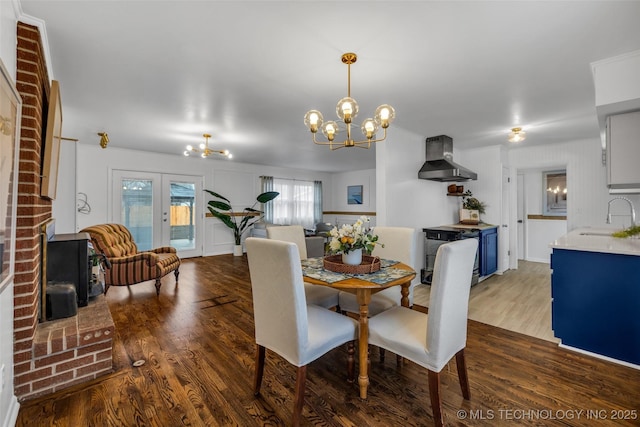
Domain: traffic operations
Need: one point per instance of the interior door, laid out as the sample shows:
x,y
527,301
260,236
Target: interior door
x,y
521,213
503,245
160,210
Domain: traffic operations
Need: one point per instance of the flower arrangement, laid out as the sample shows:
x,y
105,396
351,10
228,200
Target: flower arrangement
x,y
353,236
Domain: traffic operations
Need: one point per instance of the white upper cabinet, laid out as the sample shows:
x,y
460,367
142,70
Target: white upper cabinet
x,y
623,152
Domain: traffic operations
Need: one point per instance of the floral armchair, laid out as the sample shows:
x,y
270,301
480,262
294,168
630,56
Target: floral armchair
x,y
128,266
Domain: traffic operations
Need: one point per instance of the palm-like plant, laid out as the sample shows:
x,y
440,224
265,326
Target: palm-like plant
x,y
221,209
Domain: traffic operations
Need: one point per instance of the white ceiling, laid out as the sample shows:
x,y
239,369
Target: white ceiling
x,y
156,75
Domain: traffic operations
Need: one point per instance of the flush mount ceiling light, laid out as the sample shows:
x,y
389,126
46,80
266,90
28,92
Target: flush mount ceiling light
x,y
347,110
517,135
204,151
104,139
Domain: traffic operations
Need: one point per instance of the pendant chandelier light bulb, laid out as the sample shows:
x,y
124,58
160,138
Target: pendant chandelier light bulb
x,y
347,110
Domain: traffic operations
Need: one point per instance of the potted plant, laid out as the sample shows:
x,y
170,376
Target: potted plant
x,y
221,209
471,208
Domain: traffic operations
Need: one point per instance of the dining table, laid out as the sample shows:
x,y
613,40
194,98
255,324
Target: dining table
x,y
391,273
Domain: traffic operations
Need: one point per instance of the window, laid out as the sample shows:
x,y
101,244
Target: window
x,y
555,192
296,204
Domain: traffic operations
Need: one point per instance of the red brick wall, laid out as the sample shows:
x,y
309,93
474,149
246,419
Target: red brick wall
x,y
47,356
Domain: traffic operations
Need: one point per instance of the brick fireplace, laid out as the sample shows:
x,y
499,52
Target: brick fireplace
x,y
52,355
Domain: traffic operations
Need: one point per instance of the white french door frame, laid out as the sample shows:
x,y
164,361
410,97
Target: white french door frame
x,y
161,206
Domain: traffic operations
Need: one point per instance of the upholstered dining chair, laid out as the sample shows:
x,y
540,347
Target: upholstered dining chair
x,y
284,322
400,245
316,294
432,340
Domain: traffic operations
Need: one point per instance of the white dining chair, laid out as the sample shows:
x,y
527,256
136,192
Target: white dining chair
x,y
284,322
432,340
400,244
316,294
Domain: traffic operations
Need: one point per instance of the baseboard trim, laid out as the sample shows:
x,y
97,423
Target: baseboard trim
x,y
599,356
12,413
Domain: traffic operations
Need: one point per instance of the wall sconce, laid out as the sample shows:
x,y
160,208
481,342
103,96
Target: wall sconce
x,y
104,139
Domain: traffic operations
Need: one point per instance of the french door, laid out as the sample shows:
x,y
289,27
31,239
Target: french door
x,y
160,210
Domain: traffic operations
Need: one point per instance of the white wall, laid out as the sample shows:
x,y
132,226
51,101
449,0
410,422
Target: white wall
x,y
338,196
9,12
588,195
402,199
486,162
405,200
239,182
538,232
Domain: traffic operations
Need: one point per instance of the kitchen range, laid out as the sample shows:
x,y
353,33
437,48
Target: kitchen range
x,y
486,258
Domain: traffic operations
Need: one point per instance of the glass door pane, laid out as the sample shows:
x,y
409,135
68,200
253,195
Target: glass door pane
x,y
136,201
182,216
137,211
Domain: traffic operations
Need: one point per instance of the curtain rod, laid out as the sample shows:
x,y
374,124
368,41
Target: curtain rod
x,y
290,179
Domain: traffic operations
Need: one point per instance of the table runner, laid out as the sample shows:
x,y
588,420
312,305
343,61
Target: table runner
x,y
314,268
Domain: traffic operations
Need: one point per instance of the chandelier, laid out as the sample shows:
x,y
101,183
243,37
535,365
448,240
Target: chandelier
x,y
347,110
517,135
204,149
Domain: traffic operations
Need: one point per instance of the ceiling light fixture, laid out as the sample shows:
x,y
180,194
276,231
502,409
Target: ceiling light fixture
x,y
104,139
517,135
204,149
347,110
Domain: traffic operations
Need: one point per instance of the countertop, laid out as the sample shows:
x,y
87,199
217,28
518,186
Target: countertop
x,y
481,226
597,240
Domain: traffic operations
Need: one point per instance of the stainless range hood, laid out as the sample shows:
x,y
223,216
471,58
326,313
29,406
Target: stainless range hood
x,y
439,165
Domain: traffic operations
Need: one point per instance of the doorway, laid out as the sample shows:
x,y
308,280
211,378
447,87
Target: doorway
x,y
160,210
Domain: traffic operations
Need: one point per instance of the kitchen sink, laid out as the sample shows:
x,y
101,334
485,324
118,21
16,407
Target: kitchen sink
x,y
595,233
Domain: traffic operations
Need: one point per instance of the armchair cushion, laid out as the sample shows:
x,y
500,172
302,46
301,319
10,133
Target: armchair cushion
x,y
128,266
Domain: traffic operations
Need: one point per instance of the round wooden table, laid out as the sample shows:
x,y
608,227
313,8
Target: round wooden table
x,y
363,289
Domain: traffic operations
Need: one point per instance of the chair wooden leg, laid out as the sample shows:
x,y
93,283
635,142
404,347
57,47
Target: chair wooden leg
x,y
436,400
351,362
158,286
257,381
301,377
462,374
176,273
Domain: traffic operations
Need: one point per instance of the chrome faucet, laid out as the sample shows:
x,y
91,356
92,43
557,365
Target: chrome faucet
x,y
633,211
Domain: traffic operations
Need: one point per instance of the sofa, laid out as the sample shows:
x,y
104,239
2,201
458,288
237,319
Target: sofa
x,y
314,244
126,265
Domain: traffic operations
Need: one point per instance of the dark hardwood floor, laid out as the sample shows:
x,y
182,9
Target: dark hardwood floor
x,y
198,343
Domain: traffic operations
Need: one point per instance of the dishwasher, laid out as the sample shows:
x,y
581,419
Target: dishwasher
x,y
436,236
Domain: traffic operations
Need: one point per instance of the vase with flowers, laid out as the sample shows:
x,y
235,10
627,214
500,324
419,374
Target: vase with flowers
x,y
351,239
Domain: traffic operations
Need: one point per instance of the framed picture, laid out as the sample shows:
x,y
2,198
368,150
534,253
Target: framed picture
x,y
354,195
53,135
10,109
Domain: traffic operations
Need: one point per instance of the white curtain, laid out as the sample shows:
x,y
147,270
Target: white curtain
x,y
296,203
267,208
317,202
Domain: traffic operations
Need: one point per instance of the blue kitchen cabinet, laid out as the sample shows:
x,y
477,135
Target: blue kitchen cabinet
x,y
488,251
596,302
